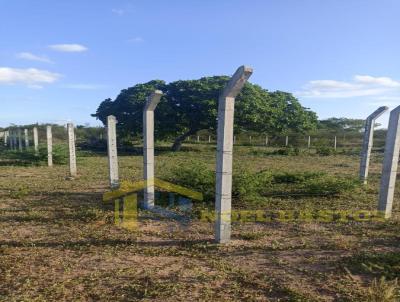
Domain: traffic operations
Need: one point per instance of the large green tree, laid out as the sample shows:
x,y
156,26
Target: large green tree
x,y
191,105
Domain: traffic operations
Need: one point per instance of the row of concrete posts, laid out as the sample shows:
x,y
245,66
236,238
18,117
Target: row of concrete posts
x,y
223,197
390,160
13,139
225,140
267,140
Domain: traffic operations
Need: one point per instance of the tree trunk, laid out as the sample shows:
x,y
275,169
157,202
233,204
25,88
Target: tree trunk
x,y
180,139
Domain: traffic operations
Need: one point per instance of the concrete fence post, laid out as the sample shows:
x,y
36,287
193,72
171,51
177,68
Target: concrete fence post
x,y
198,138
112,151
223,192
72,151
209,139
335,143
6,135
309,142
49,136
266,140
13,140
148,147
19,139
368,142
36,139
26,135
287,141
390,163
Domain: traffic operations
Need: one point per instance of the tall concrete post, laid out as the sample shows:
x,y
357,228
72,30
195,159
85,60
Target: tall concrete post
x,y
26,135
13,140
6,135
36,139
209,139
287,141
368,142
112,151
223,192
72,151
335,143
19,139
198,138
309,142
266,140
390,163
49,136
148,147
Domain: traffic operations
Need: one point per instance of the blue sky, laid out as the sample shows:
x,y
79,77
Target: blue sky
x,y
60,59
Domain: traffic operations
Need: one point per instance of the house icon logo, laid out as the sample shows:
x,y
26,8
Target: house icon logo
x,y
125,200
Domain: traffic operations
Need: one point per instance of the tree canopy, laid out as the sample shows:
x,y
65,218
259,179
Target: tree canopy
x,y
342,124
189,106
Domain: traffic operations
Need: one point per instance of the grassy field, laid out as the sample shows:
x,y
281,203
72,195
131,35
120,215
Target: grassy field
x,y
58,240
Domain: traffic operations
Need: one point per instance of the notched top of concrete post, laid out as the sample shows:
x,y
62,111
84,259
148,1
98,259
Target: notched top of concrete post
x,y
111,118
237,82
153,100
395,110
377,113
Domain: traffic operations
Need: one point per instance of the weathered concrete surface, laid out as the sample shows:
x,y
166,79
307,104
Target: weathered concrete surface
x,y
36,139
390,163
223,196
6,136
49,136
148,147
368,142
112,151
19,131
13,141
72,151
26,136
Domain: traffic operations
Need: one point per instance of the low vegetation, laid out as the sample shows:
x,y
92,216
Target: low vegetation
x,y
59,241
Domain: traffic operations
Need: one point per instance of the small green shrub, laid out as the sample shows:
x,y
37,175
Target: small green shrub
x,y
329,185
31,157
250,186
295,177
325,151
245,183
289,151
195,175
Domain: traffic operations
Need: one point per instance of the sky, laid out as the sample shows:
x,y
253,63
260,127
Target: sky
x,y
60,59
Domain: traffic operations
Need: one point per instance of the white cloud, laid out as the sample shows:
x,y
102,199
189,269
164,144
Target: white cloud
x,y
362,85
31,77
31,57
381,81
85,86
136,40
118,11
34,86
68,47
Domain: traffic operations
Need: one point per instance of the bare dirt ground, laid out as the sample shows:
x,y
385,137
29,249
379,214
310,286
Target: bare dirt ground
x,y
58,241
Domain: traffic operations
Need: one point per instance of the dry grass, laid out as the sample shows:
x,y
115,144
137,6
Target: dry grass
x,y
58,241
